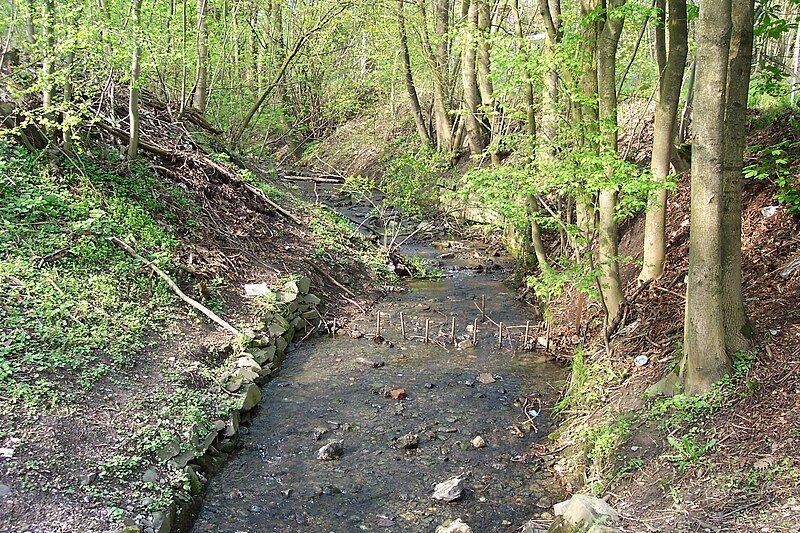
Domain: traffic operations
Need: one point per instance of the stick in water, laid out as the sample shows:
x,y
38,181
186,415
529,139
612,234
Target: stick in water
x,y
475,332
427,326
403,326
453,329
194,303
500,334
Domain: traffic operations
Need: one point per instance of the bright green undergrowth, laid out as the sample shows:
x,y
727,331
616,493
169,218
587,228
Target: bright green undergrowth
x,y
74,306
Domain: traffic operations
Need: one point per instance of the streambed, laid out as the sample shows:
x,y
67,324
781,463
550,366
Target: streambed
x,y
340,389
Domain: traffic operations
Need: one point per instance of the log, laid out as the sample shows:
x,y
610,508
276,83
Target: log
x,y
192,302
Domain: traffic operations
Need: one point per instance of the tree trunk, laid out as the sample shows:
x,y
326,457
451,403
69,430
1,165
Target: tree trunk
x,y
438,66
610,282
201,89
48,61
472,97
671,68
416,108
484,60
30,29
133,102
737,328
706,360
796,67
686,115
551,14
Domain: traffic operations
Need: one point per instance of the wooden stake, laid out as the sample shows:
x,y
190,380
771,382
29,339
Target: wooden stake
x,y
527,329
547,338
500,334
475,332
378,325
403,326
427,326
453,329
483,306
333,329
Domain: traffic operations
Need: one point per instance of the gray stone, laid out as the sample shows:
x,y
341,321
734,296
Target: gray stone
x,y
331,451
151,476
183,459
312,299
232,426
5,490
304,284
587,513
251,397
168,451
408,441
449,491
88,479
276,329
163,521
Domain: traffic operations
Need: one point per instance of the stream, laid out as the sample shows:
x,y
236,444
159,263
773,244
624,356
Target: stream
x,y
341,389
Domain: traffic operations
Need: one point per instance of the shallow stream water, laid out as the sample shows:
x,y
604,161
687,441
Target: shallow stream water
x,y
329,389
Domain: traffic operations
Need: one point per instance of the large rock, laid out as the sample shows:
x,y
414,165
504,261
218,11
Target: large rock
x,y
449,491
456,526
584,513
251,397
331,451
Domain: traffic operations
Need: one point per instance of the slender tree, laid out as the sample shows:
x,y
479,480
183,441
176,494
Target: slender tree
x,y
610,29
671,67
416,108
737,327
133,101
472,97
201,83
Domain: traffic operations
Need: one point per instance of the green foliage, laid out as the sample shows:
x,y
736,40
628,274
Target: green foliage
x,y
778,164
76,306
410,182
549,284
600,442
336,239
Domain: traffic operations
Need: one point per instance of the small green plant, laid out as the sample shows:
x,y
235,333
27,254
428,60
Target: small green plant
x,y
600,442
688,450
588,384
421,270
777,164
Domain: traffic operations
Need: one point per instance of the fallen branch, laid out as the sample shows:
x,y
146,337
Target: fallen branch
x,y
194,303
315,179
623,310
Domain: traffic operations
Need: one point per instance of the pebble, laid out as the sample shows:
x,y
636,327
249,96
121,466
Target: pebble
x,y
478,442
331,451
